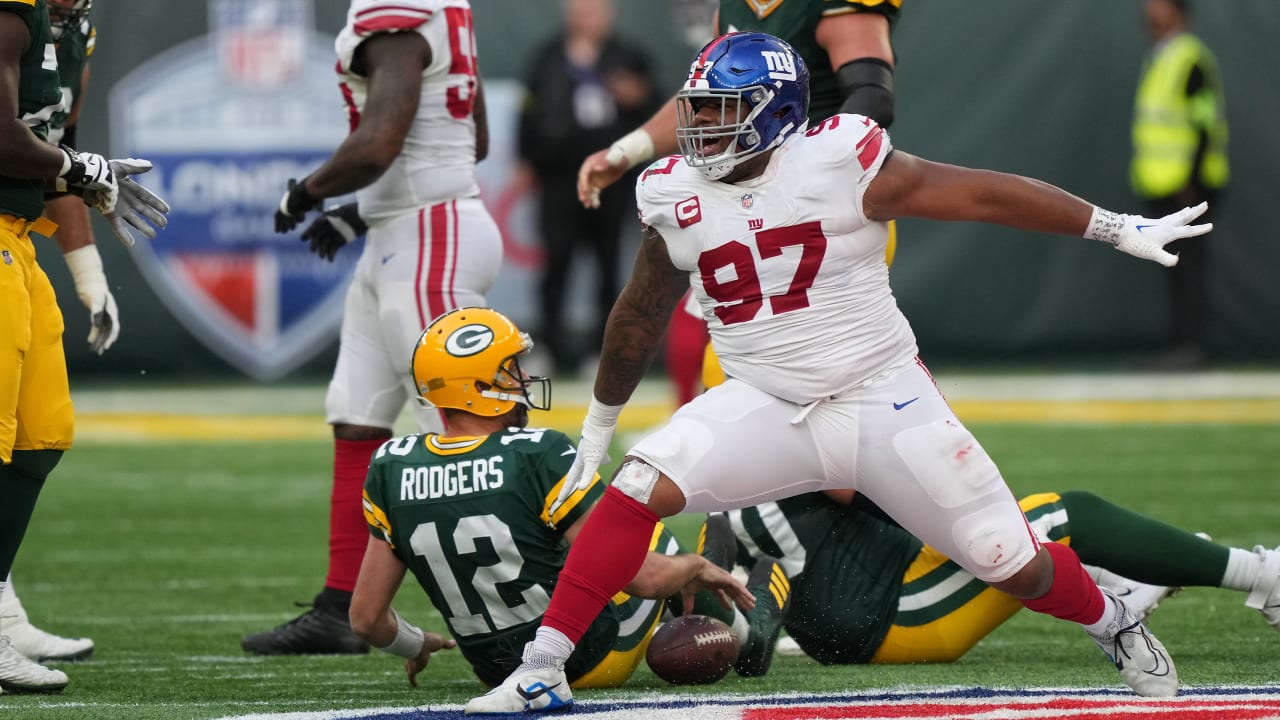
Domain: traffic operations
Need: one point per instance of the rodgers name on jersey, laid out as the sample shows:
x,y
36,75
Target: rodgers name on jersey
x,y
780,263
463,477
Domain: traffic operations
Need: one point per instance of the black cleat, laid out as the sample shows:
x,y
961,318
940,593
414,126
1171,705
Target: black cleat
x,y
769,583
717,542
322,630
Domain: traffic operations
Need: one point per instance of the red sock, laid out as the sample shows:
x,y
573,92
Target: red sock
x,y
348,532
686,343
605,556
1074,595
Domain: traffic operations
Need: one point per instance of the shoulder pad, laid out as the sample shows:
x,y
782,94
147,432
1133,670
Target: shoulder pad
x,y
375,16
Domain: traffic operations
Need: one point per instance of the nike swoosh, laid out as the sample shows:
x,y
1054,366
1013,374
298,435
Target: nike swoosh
x,y
899,406
531,696
386,258
1139,228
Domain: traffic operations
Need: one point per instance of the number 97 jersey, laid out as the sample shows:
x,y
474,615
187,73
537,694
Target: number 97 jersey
x,y
787,270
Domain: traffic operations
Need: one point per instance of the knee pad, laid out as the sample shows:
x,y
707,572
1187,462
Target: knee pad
x,y
867,87
996,549
636,480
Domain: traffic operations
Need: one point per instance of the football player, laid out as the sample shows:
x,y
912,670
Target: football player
x,y
407,70
470,514
36,415
826,391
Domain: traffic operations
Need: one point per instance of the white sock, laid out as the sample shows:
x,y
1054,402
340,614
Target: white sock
x,y
550,641
740,628
1109,613
1242,570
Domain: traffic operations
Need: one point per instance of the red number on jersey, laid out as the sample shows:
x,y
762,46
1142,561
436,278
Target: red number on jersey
x,y
655,169
460,98
828,124
740,299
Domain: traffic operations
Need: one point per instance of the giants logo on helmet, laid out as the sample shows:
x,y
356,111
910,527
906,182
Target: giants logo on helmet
x,y
782,66
688,211
469,340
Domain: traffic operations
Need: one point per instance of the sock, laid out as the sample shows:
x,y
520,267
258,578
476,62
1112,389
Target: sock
x,y
1109,612
686,343
1074,595
21,480
605,556
1138,547
1242,570
348,533
550,648
11,610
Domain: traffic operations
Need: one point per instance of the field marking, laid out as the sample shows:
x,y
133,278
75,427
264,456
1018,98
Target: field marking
x,y
151,427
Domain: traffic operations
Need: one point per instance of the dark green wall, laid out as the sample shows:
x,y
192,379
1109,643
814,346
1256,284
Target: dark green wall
x,y
1040,87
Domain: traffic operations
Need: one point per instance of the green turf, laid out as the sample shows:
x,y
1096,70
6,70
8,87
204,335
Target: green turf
x,y
167,554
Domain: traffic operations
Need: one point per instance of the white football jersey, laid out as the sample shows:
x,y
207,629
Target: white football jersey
x,y
439,156
787,271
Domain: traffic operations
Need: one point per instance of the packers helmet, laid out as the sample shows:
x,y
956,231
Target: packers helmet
x,y
468,359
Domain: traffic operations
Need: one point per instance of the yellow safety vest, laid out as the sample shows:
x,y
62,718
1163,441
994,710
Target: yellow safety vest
x,y
1167,124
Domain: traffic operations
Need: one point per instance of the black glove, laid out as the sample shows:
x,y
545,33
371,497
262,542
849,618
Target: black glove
x,y
294,206
337,227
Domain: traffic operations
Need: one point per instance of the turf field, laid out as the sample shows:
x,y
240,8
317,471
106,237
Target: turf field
x,y
166,551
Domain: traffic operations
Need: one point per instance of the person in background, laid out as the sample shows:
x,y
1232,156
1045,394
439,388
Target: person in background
x,y
407,69
1180,159
37,419
583,88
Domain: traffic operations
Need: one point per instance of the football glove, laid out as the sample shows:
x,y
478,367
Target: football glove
x,y
593,450
136,207
294,205
1145,237
85,265
89,176
336,227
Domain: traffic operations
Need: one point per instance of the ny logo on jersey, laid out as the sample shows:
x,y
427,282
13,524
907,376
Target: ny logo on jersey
x,y
754,224
781,65
688,212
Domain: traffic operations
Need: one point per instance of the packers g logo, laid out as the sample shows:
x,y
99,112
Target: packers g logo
x,y
469,340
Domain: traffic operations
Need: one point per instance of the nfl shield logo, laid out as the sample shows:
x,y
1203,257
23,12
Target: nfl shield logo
x,y
8,259
747,201
223,153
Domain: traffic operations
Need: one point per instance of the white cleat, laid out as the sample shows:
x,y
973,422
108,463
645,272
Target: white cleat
x,y
1141,598
538,685
1141,659
43,646
1265,595
788,647
19,674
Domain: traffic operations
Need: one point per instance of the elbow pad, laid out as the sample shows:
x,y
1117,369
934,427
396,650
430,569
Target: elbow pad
x,y
867,86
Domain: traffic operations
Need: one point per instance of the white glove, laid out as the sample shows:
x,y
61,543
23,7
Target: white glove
x,y
1144,237
136,206
91,285
89,176
593,450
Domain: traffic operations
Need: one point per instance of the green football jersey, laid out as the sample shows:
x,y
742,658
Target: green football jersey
x,y
39,96
796,21
845,566
470,518
74,50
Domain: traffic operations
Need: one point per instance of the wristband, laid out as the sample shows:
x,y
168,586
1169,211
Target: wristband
x,y
635,147
85,264
601,415
409,639
1105,226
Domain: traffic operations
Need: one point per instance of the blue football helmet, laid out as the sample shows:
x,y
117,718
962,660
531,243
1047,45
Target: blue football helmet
x,y
742,71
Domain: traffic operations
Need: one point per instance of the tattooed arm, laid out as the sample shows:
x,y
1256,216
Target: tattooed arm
x,y
393,62
638,320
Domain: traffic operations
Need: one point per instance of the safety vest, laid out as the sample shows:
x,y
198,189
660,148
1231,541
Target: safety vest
x,y
1167,124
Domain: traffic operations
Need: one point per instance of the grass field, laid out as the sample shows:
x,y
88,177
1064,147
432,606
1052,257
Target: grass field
x,y
166,552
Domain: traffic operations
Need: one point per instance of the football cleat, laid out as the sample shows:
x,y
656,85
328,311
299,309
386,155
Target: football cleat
x,y
717,542
538,685
323,630
772,590
35,643
1140,597
788,647
1265,595
1141,659
20,674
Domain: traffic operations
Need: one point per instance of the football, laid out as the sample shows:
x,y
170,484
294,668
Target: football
x,y
692,650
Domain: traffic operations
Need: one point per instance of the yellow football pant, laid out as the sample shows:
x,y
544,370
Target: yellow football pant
x,y
35,400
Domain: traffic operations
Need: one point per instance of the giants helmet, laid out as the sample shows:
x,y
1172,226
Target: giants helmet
x,y
467,359
66,16
753,69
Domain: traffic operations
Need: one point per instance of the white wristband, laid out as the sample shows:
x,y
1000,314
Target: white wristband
x,y
1105,226
409,639
85,265
602,415
635,147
